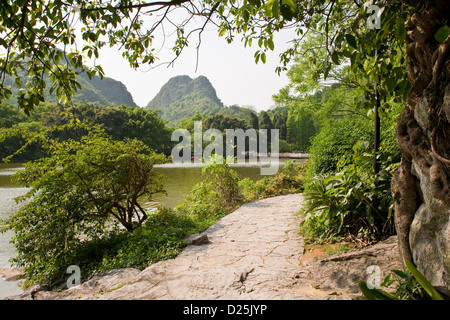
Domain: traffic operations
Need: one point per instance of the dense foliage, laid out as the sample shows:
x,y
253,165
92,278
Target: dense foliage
x,y
85,189
290,179
351,202
120,123
345,198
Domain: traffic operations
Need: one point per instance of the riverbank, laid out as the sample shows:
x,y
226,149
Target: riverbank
x,y
254,252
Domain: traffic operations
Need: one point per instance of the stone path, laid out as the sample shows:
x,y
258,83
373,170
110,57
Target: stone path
x,y
252,253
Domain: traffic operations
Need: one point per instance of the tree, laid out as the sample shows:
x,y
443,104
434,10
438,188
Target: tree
x,y
253,120
279,117
120,123
264,121
78,194
378,54
421,186
222,122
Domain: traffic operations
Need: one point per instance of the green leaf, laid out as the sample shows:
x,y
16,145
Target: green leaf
x,y
401,274
268,8
335,58
18,82
351,40
270,44
286,12
442,34
246,15
290,3
276,9
427,286
391,83
263,57
257,55
374,294
400,30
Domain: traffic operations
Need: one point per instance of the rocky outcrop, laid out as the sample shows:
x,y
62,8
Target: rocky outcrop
x,y
11,274
429,236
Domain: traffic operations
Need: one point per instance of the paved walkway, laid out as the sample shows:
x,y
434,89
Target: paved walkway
x,y
253,253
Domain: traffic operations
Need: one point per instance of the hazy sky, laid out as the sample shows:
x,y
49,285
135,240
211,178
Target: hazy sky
x,y
230,68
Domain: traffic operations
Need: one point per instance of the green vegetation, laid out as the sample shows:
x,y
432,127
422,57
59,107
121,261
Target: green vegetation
x,y
120,123
351,202
288,180
78,194
345,199
409,284
90,191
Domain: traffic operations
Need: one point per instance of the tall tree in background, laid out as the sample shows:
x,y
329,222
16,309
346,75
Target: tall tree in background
x,y
264,121
39,38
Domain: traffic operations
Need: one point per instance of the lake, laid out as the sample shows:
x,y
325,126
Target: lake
x,y
178,181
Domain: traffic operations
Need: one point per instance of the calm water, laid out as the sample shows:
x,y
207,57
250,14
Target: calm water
x,y
178,182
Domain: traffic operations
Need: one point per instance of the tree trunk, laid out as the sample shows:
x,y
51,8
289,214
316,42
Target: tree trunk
x,y
421,187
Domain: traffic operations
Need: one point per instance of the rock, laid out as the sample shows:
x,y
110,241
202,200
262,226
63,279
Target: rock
x,y
12,274
95,287
429,236
446,104
196,239
29,294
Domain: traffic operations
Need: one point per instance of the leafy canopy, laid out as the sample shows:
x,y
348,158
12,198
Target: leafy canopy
x,y
58,38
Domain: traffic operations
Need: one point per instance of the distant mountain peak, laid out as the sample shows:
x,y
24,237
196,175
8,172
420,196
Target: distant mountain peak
x,y
106,91
182,97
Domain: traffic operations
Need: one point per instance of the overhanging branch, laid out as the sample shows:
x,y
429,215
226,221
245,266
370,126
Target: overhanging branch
x,y
137,6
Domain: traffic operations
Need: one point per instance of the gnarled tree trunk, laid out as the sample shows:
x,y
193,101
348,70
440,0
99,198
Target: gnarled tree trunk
x,y
421,186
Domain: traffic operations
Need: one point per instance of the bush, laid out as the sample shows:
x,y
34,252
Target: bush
x,y
284,146
216,195
159,238
85,191
353,202
288,180
334,141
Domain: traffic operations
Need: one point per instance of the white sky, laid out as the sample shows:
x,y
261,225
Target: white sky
x,y
230,68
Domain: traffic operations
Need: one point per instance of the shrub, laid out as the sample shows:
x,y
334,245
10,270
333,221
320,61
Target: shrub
x,y
83,192
159,238
216,195
353,202
288,180
334,141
